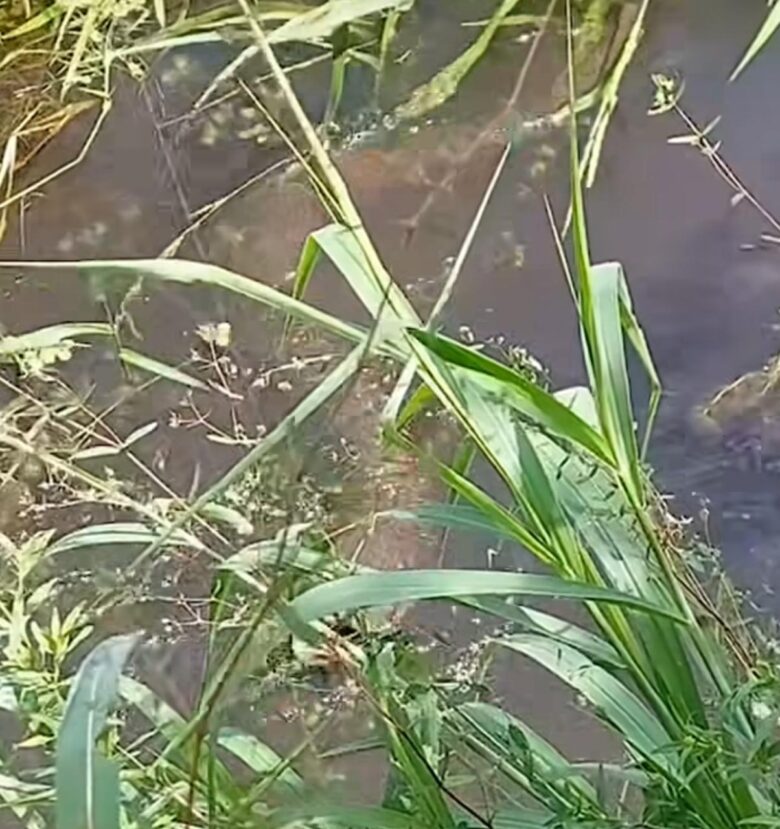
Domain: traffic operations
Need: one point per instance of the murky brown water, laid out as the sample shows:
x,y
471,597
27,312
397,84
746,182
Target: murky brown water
x,y
709,307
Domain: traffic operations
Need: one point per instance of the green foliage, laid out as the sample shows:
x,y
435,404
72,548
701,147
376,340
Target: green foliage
x,y
445,83
762,37
87,782
694,713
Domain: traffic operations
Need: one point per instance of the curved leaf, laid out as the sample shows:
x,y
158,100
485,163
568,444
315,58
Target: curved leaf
x,y
616,703
521,394
87,782
120,532
393,587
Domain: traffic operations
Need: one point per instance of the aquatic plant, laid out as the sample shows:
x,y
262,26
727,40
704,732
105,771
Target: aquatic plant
x,y
672,676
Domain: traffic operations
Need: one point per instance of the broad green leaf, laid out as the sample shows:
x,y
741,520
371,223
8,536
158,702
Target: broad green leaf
x,y
519,393
612,393
487,421
87,782
393,587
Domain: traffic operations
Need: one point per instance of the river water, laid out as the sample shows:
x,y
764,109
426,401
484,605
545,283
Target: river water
x,y
706,292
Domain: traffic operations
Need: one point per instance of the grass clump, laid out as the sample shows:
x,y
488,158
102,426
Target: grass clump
x,y
674,677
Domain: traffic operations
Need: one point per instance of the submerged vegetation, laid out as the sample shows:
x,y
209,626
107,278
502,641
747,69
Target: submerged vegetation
x,y
203,619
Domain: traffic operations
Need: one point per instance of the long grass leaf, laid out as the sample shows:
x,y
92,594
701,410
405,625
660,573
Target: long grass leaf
x,y
324,19
445,83
12,345
519,393
259,757
284,430
609,93
185,272
388,588
612,392
115,534
521,754
553,627
341,816
160,369
409,371
615,702
87,782
765,32
380,296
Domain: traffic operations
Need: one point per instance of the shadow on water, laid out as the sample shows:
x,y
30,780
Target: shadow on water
x,y
709,307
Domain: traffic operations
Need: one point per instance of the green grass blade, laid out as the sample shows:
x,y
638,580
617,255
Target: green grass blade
x,y
323,20
169,724
12,345
38,21
307,264
519,393
612,699
349,817
383,589
381,297
184,272
611,391
445,83
114,534
499,518
160,369
611,87
260,758
87,782
553,627
636,337
519,752
394,401
450,516
283,431
768,28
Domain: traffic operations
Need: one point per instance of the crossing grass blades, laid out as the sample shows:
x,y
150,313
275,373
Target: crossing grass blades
x,y
674,678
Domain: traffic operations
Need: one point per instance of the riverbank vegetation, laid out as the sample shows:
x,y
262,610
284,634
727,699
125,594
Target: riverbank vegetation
x,y
213,650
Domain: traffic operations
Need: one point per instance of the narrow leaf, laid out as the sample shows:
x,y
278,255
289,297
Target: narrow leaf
x,y
392,587
87,783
